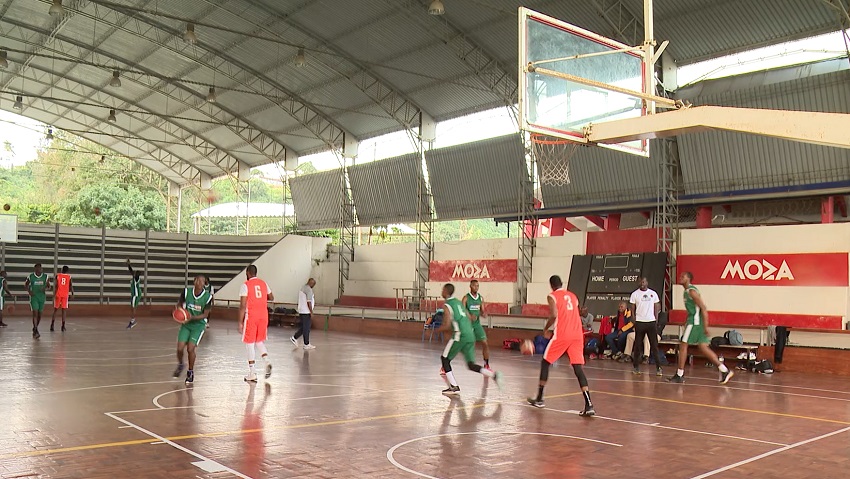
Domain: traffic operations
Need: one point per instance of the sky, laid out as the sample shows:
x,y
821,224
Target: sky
x,y
25,134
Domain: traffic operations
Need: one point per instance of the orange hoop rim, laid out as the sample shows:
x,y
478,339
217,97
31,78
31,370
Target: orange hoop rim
x,y
542,139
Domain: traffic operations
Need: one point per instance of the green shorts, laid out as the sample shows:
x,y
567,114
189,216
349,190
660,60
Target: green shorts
x,y
480,335
694,334
191,332
37,303
466,347
134,301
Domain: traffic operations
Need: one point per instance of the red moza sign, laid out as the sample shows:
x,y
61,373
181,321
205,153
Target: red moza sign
x,y
806,269
492,270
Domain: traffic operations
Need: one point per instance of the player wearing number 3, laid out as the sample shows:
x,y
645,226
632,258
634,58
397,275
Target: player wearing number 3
x,y
254,320
568,338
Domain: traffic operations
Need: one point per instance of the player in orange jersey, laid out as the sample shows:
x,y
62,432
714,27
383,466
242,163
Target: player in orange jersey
x,y
254,320
568,337
64,289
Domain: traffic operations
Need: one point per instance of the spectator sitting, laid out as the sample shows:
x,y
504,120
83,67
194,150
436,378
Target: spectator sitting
x,y
620,324
587,327
436,317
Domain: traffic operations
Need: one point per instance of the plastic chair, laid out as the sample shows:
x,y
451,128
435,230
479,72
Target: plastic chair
x,y
436,322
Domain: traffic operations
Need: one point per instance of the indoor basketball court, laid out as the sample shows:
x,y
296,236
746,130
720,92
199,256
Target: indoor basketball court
x,y
725,193
367,406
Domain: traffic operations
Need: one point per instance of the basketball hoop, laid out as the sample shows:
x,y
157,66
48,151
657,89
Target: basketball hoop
x,y
553,158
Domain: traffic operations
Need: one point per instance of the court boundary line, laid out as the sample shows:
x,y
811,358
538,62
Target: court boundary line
x,y
660,426
177,446
728,408
398,465
769,453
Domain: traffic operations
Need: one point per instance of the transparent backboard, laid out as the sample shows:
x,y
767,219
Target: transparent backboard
x,y
563,108
8,229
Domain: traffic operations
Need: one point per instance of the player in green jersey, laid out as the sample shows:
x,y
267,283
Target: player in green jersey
x,y
462,340
37,284
4,290
197,301
474,304
696,332
135,293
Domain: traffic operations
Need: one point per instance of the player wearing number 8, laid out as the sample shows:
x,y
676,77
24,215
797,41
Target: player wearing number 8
x,y
254,320
64,288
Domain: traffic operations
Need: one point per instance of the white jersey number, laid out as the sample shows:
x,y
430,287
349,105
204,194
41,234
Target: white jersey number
x,y
258,292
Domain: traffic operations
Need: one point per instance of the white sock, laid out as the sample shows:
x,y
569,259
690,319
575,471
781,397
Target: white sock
x,y
451,377
261,347
723,368
680,372
266,358
250,367
487,373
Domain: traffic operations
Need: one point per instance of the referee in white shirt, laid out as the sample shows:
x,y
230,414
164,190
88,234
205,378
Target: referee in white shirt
x,y
645,306
306,302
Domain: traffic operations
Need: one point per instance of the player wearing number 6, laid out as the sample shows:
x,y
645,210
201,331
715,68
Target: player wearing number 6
x,y
254,320
568,338
64,288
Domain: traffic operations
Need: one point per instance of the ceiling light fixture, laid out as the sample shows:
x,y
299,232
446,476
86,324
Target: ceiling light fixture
x,y
436,8
189,35
211,97
49,135
300,58
111,116
4,61
19,103
116,80
56,10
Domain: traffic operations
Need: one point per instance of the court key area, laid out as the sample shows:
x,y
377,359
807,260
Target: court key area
x,y
99,401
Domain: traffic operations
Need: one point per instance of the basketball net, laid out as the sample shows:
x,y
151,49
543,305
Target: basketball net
x,y
553,158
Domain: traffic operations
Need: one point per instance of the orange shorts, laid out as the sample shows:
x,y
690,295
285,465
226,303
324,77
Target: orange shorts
x,y
254,331
573,347
60,302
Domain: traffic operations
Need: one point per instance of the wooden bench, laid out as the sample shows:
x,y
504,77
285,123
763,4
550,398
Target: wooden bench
x,y
728,351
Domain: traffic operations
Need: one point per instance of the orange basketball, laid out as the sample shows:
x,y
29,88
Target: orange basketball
x,y
527,347
180,315
7,207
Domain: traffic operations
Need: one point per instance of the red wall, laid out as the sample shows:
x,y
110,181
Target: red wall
x,y
622,241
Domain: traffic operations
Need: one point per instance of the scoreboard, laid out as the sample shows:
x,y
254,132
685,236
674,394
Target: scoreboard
x,y
614,273
603,281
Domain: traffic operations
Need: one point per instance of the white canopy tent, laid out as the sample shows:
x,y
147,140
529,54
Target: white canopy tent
x,y
242,210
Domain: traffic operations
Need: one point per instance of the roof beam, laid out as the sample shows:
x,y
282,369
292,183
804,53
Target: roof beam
x,y
179,169
400,107
265,143
627,27
490,72
310,117
76,87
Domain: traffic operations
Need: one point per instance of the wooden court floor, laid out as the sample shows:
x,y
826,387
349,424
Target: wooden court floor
x,y
98,401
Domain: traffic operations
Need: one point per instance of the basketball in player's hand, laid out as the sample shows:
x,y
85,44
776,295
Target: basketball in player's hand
x,y
527,347
180,315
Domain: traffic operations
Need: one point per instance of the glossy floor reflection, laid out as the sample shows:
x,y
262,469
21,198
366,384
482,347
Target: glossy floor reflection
x,y
98,401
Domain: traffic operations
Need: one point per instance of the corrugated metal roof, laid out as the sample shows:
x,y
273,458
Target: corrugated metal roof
x,y
717,162
477,180
317,199
386,191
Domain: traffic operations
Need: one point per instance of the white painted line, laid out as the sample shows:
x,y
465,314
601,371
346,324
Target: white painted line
x,y
209,466
123,427
770,453
103,387
671,428
395,463
177,446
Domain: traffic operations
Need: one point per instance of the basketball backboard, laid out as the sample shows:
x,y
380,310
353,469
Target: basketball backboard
x,y
8,229
564,108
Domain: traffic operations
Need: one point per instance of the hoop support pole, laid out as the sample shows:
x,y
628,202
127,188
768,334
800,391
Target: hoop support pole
x,y
660,101
588,55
